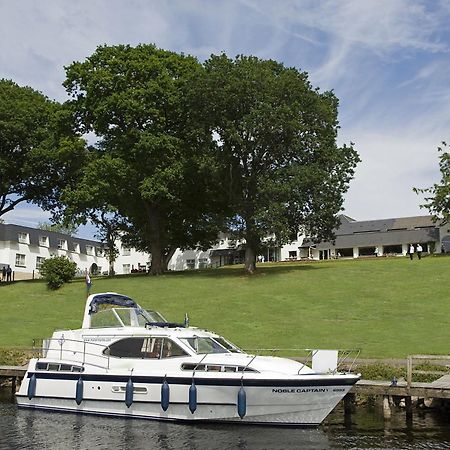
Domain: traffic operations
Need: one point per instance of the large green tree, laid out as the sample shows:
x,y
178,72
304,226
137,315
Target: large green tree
x,y
437,199
154,158
276,135
38,152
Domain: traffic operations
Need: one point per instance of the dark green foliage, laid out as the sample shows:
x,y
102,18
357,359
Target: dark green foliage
x,y
153,164
282,168
438,200
38,152
381,372
58,270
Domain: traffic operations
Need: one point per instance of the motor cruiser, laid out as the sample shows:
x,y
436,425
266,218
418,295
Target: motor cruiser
x,y
127,361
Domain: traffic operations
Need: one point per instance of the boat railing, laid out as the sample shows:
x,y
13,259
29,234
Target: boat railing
x,y
83,352
346,358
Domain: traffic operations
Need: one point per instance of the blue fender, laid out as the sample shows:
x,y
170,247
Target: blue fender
x,y
129,393
79,391
165,395
32,387
241,402
193,397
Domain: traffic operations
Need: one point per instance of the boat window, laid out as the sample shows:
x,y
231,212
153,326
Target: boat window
x,y
58,367
202,345
124,317
143,347
215,368
41,366
136,389
171,349
228,345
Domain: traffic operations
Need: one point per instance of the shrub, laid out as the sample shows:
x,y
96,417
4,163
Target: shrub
x,y
57,270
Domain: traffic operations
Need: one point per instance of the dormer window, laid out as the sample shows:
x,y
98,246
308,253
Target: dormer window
x,y
23,238
89,250
43,241
76,247
62,244
126,251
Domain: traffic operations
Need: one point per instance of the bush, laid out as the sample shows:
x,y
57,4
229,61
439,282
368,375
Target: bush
x,y
57,271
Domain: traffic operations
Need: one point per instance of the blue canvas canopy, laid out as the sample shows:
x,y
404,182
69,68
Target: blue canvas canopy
x,y
111,299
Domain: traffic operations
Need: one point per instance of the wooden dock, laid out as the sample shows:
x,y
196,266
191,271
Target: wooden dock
x,y
437,389
14,374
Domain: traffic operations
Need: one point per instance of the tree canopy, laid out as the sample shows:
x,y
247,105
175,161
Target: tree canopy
x,y
154,159
37,151
186,150
438,195
276,135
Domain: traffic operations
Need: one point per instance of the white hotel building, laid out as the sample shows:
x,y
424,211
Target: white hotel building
x,y
24,249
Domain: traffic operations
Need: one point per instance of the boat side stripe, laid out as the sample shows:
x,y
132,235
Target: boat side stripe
x,y
199,381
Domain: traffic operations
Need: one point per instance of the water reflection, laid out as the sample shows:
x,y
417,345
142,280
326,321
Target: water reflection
x,y
28,429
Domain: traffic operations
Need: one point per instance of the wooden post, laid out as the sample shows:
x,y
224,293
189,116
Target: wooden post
x,y
408,407
13,387
386,407
409,372
349,404
408,400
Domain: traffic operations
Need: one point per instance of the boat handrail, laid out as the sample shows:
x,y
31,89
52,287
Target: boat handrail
x,y
62,340
346,357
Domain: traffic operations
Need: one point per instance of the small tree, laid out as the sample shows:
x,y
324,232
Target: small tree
x,y
58,270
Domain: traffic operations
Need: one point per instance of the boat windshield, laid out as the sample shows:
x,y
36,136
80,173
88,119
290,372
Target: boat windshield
x,y
124,317
204,345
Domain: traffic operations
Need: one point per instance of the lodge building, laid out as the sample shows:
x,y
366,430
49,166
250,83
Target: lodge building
x,y
24,248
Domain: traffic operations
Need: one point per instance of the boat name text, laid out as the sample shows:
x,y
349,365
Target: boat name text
x,y
297,390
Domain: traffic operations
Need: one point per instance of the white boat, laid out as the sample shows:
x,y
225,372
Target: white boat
x,y
126,361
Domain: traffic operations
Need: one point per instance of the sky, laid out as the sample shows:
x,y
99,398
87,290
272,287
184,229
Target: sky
x,y
386,60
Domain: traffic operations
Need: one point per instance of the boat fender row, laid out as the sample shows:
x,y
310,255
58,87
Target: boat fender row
x,y
165,395
165,398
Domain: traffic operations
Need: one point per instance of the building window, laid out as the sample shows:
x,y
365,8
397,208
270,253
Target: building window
x,y
76,247
20,260
89,250
62,244
203,263
190,263
126,251
293,254
344,252
23,238
126,268
43,241
99,251
39,261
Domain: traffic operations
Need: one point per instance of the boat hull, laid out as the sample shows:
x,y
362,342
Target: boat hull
x,y
269,402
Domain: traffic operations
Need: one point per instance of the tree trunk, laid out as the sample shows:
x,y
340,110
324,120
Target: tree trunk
x,y
111,271
159,265
250,259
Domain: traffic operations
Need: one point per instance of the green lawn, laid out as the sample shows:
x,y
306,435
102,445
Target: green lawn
x,y
386,307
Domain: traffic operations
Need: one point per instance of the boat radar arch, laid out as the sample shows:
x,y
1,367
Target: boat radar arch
x,y
106,298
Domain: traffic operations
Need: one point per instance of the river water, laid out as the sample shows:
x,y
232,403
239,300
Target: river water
x,y
365,429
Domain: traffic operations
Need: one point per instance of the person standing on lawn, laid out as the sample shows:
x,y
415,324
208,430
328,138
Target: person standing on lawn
x,y
411,252
419,251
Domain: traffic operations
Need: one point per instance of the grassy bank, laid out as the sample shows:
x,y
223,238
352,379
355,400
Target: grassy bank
x,y
387,307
